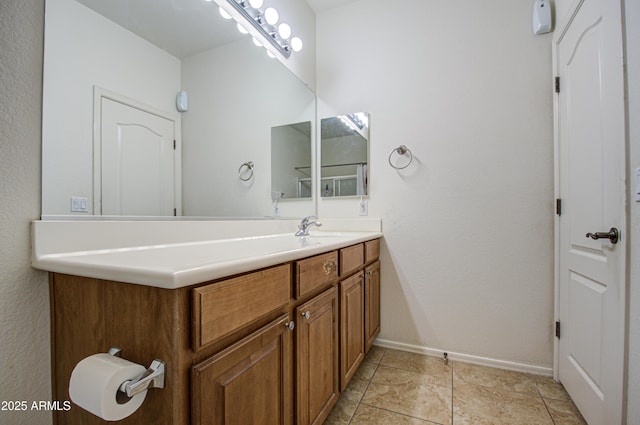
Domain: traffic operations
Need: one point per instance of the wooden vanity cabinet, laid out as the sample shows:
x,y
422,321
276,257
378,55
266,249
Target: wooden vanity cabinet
x,y
372,304
247,383
352,334
272,346
317,381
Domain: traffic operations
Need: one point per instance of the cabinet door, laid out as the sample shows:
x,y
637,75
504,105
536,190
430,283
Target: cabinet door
x,y
352,339
317,357
247,383
372,304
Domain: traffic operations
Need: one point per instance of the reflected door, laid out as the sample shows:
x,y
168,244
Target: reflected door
x,y
591,177
137,161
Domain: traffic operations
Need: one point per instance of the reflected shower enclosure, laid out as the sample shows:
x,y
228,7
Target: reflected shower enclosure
x,y
344,150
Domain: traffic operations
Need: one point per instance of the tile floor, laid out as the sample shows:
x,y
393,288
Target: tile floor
x,y
395,387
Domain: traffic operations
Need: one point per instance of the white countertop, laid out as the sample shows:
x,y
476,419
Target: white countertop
x,y
178,264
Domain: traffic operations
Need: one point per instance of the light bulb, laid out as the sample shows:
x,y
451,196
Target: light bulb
x,y
256,4
271,16
257,42
271,55
296,44
224,13
284,30
242,29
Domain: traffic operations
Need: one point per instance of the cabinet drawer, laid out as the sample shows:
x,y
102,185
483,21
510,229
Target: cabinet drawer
x,y
351,258
223,307
371,250
315,272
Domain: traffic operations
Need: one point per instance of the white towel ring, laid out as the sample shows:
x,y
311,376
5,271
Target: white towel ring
x,y
246,168
401,150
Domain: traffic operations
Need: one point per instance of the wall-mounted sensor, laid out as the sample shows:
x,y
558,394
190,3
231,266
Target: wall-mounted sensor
x,y
541,17
182,101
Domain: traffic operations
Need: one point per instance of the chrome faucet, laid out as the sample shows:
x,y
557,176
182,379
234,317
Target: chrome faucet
x,y
305,224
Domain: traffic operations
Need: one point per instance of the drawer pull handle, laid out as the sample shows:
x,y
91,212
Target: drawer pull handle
x,y
306,315
290,325
329,266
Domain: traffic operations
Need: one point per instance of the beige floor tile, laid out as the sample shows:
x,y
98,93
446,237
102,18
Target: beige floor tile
x,y
564,412
413,394
495,378
416,363
549,388
342,412
375,354
368,415
355,389
366,370
480,405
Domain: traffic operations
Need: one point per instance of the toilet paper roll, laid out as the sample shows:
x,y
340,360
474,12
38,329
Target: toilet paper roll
x,y
94,385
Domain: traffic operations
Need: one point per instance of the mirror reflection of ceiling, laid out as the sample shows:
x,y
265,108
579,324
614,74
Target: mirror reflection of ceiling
x,y
322,5
335,127
180,27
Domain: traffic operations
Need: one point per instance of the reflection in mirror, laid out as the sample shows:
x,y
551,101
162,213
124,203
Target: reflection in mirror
x,y
130,50
344,149
291,161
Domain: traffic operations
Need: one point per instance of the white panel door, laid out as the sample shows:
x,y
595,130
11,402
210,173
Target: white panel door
x,y
137,161
591,163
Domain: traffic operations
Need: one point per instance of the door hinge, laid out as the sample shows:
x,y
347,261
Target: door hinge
x,y
558,329
174,145
557,84
559,206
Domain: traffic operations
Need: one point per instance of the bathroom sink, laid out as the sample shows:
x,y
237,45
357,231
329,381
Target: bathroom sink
x,y
175,265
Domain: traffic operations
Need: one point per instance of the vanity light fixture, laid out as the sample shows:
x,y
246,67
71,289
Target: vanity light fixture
x,y
223,12
284,30
271,16
264,22
353,121
242,29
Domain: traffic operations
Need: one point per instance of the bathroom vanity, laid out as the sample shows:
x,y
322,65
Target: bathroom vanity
x,y
272,344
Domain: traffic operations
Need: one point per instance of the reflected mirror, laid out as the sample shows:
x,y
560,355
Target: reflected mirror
x,y
111,67
344,148
291,175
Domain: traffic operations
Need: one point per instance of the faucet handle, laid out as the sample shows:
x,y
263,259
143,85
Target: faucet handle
x,y
309,217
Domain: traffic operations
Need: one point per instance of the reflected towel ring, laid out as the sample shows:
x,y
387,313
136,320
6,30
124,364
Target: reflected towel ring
x,y
401,150
246,168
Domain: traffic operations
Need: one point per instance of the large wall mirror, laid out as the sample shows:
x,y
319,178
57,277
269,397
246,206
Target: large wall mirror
x,y
112,70
344,155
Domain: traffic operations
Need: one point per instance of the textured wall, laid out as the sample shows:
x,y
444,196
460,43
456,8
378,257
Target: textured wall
x,y
468,263
24,307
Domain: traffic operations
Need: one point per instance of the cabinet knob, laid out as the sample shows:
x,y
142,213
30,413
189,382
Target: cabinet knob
x,y
290,325
306,315
329,267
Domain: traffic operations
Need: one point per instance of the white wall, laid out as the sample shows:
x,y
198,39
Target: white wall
x,y
468,252
236,94
84,49
633,81
24,296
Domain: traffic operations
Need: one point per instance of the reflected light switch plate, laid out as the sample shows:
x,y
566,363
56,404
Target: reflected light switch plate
x,y
79,204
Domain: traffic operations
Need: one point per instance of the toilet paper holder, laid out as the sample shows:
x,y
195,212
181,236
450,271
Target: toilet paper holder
x,y
153,377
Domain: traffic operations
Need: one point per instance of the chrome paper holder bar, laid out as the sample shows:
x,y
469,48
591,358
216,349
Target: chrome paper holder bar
x,y
153,377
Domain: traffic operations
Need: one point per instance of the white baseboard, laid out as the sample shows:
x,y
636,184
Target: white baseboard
x,y
466,358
